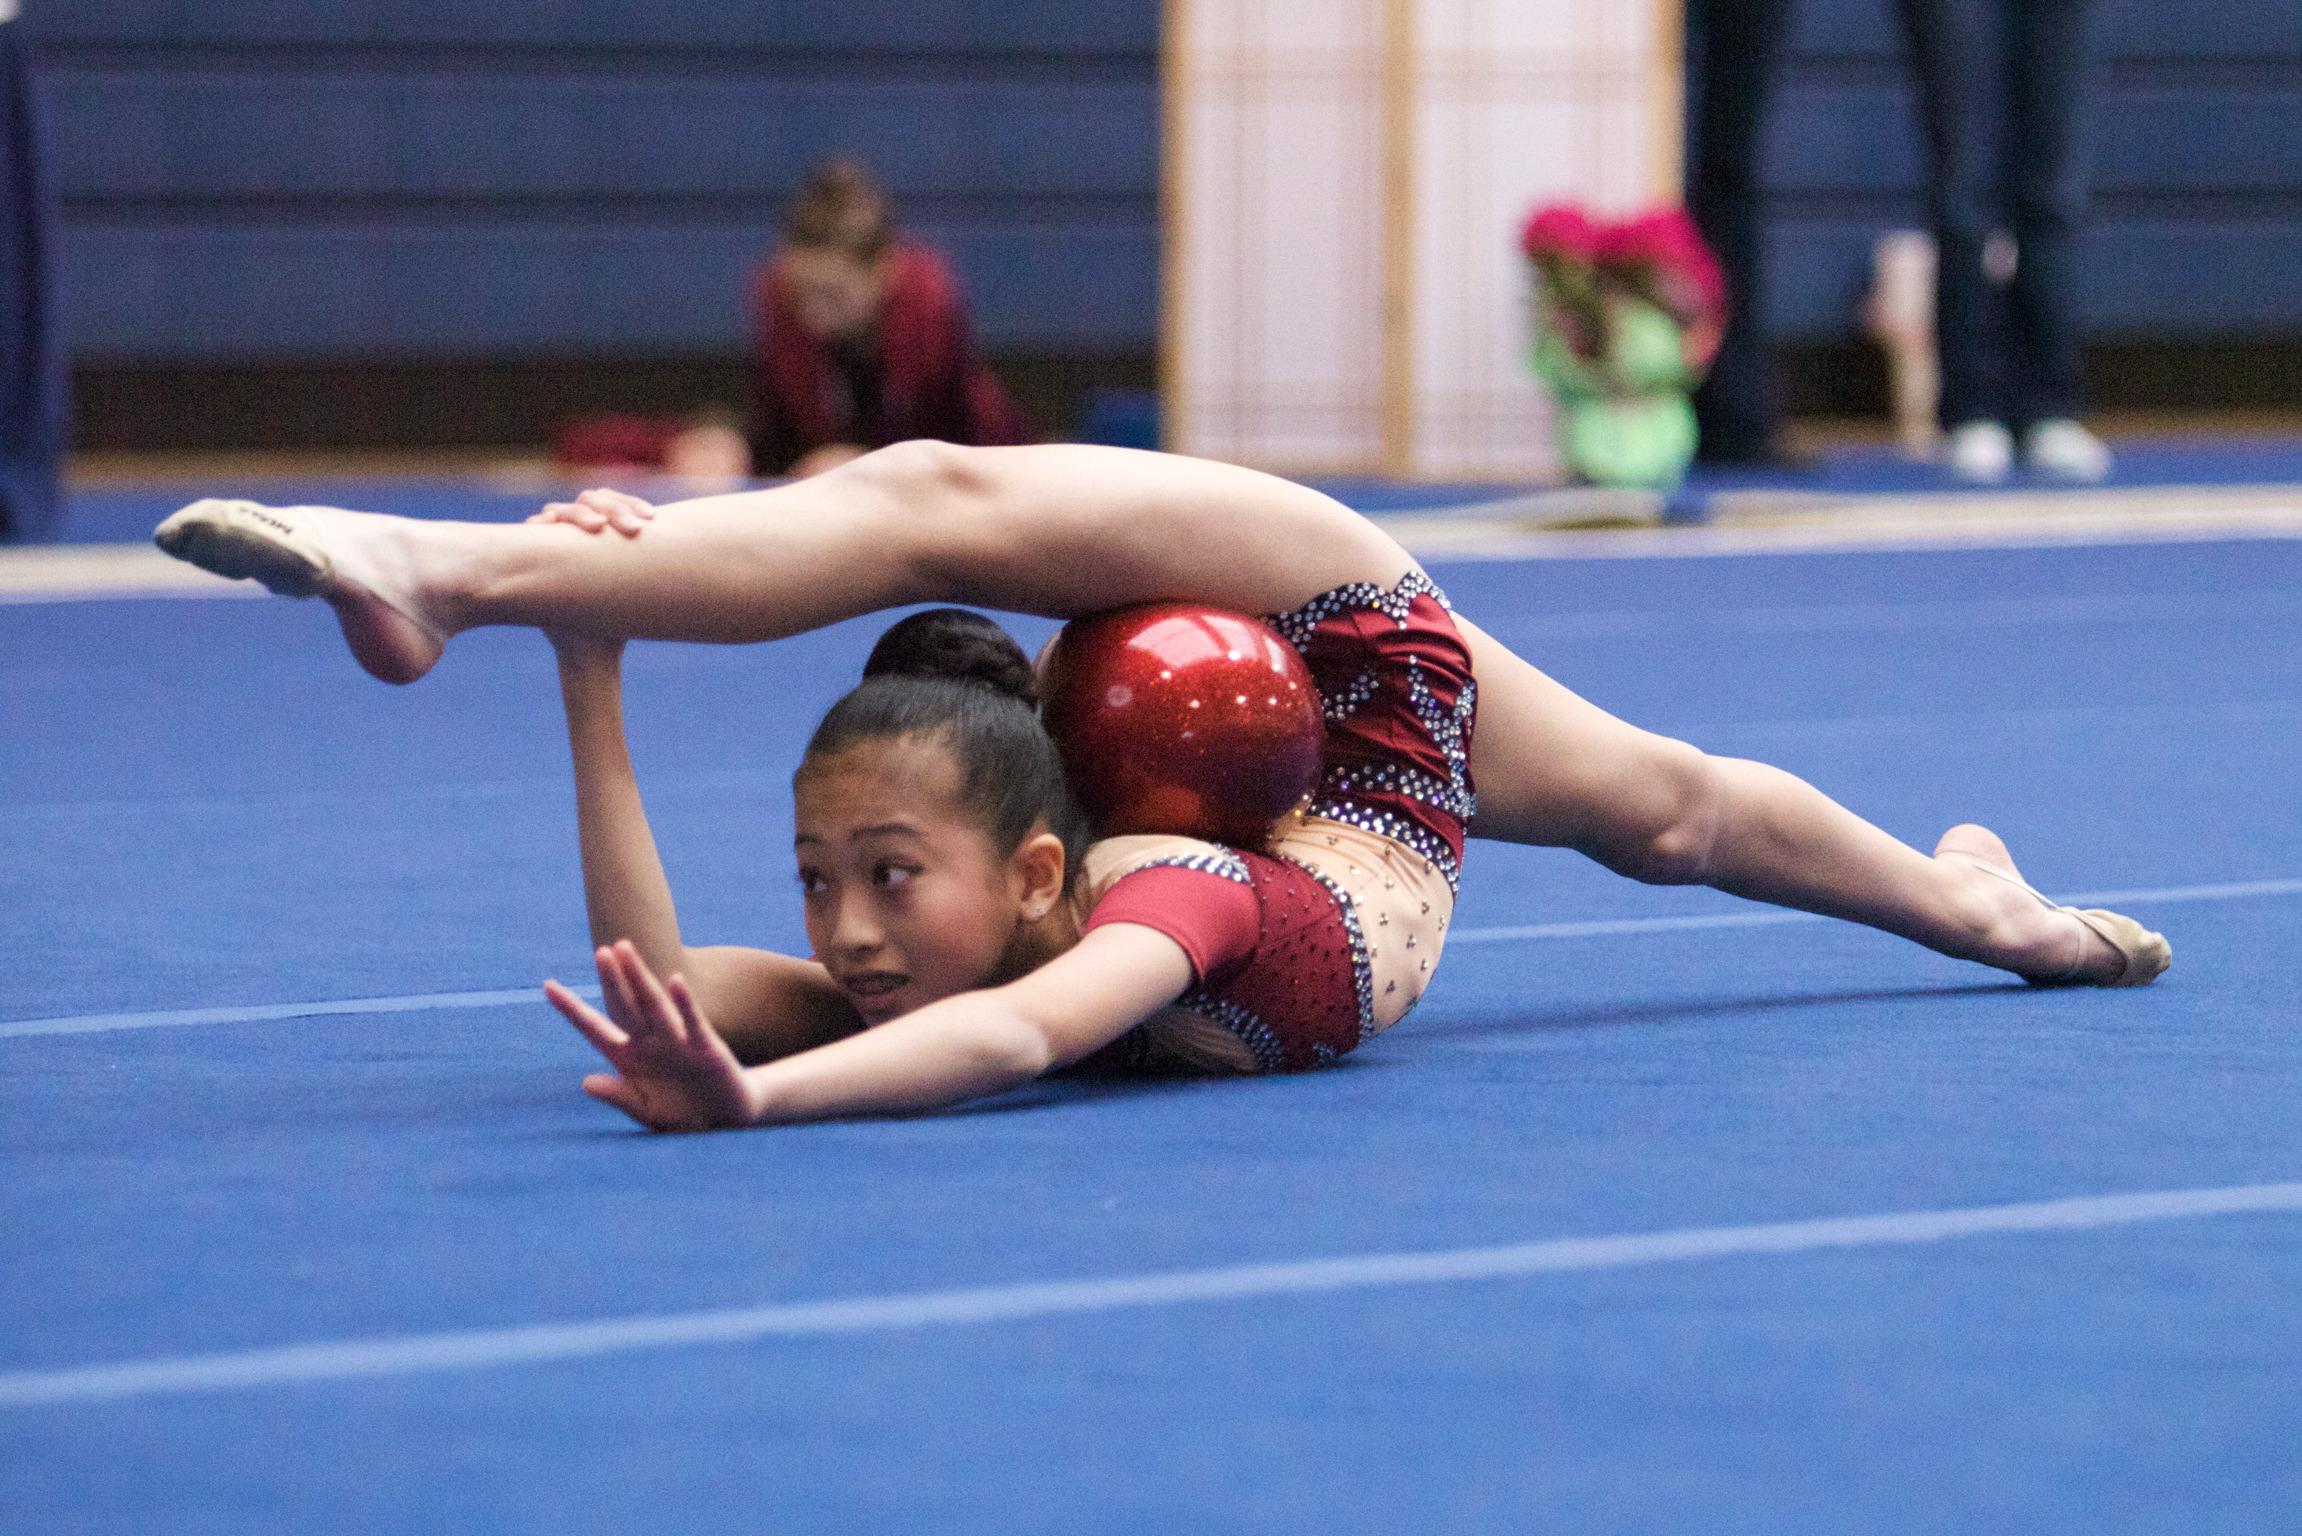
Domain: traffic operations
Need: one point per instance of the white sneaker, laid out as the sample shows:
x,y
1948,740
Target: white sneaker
x,y
2062,448
1981,452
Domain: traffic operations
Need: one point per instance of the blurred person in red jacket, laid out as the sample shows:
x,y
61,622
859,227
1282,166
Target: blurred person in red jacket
x,y
864,338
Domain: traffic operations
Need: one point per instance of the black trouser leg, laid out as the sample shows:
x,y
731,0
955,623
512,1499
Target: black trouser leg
x,y
1951,44
1732,50
2051,58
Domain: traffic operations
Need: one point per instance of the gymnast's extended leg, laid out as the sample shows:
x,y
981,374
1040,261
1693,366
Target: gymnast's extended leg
x,y
1554,770
1057,530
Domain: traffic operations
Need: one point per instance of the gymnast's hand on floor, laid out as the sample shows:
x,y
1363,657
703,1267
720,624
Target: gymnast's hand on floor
x,y
672,1070
600,509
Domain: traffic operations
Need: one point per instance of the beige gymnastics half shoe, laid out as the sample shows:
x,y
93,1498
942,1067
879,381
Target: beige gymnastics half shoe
x,y
287,549
2146,954
245,540
281,547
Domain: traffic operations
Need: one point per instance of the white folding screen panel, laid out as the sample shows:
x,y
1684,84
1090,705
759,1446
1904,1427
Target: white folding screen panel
x,y
1275,113
1346,183
1517,102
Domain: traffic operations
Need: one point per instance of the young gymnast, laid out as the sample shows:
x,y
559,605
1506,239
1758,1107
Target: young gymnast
x,y
967,937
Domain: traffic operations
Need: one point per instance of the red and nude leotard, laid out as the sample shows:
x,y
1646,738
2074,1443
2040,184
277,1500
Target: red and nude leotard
x,y
1329,934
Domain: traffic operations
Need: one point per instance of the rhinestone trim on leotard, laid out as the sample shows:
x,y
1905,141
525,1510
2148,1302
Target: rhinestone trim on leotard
x,y
1297,624
1398,829
1215,861
1400,779
1243,1022
1448,725
1342,706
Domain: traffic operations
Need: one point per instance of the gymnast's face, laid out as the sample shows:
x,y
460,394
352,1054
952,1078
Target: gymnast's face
x,y
908,900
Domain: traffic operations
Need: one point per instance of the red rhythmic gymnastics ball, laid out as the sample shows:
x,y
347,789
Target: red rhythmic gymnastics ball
x,y
1180,718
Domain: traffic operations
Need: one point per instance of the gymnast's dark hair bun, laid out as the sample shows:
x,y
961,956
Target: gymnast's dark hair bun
x,y
957,645
954,675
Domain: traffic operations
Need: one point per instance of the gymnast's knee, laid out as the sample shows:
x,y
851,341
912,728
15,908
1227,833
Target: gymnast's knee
x,y
933,500
1672,842
917,475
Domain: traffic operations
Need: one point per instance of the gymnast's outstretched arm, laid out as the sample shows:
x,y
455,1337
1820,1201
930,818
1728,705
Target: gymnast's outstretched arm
x,y
763,1004
673,1072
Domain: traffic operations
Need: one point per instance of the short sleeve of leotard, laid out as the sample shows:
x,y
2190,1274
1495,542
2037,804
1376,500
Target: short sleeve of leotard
x,y
1204,901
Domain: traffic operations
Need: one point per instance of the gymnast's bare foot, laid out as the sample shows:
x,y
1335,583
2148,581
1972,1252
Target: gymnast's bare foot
x,y
2042,942
348,558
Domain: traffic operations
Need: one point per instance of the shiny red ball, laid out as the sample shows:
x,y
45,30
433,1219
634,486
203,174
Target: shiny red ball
x,y
1180,718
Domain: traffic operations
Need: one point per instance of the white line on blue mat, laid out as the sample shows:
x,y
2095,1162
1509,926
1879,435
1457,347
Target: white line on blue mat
x,y
486,1348
426,1002
421,1002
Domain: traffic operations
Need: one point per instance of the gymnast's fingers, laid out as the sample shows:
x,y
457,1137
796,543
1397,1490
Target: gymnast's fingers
x,y
613,1090
594,1026
662,1012
625,513
590,519
617,503
698,1027
623,1004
